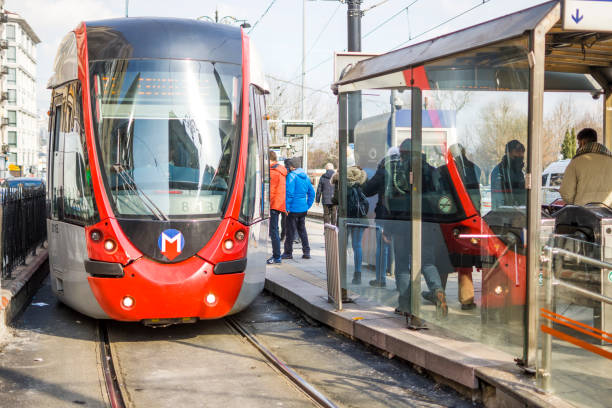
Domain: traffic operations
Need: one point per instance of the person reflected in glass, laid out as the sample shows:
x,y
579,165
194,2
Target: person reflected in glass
x,y
587,176
357,207
508,179
398,201
376,187
470,175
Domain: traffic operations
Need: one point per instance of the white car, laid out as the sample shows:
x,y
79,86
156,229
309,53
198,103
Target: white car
x,y
551,180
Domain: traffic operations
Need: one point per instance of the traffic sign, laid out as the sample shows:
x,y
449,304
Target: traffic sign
x,y
587,15
297,128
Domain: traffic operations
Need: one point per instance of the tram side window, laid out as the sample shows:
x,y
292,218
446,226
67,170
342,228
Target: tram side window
x,y
251,198
263,134
57,146
78,197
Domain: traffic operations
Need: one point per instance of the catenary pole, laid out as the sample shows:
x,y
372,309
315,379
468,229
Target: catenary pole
x,y
303,58
353,16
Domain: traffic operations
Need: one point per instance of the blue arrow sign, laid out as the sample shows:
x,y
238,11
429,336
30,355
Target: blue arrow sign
x,y
577,18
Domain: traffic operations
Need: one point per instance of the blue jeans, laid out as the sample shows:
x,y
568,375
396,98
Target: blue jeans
x,y
383,256
274,236
403,275
356,235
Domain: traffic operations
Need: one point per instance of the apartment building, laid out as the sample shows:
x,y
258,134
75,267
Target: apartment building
x,y
19,137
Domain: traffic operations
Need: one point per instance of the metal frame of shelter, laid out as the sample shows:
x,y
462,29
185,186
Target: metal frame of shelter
x,y
557,60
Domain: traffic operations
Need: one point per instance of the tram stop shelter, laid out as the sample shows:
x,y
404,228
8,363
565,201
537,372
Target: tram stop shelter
x,y
453,134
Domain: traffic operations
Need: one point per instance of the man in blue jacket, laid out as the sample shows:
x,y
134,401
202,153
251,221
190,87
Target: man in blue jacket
x,y
300,196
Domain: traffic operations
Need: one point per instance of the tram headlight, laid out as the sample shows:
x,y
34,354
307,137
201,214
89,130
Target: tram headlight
x,y
211,299
110,246
498,290
240,235
127,302
95,235
228,244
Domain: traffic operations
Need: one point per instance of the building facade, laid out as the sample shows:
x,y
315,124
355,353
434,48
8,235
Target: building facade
x,y
20,141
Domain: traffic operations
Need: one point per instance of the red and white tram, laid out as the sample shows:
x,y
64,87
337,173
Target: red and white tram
x,y
157,172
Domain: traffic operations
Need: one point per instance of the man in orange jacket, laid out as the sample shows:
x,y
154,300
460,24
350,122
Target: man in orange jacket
x,y
278,174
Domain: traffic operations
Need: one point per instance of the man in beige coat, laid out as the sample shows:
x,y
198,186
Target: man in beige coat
x,y
588,177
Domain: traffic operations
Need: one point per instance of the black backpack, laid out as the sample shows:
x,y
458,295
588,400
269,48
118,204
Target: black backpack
x,y
358,205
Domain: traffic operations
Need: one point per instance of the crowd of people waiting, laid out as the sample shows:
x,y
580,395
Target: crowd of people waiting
x,y
392,186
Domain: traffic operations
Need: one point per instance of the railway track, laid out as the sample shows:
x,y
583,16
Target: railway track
x,y
113,390
113,387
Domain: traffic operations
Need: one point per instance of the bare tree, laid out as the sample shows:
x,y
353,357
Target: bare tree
x,y
450,100
561,119
283,103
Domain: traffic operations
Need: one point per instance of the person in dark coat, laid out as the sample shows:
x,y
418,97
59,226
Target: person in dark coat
x,y
325,193
470,176
376,187
398,203
507,178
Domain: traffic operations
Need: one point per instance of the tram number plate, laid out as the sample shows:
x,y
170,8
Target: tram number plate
x,y
55,228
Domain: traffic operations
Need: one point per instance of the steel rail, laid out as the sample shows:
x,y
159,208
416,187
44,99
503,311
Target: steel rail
x,y
583,292
579,258
279,364
110,376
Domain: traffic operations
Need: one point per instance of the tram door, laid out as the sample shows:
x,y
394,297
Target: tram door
x,y
68,213
256,200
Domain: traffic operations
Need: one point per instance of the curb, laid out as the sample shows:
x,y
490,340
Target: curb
x,y
16,293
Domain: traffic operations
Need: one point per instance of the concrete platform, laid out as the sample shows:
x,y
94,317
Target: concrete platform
x,y
485,373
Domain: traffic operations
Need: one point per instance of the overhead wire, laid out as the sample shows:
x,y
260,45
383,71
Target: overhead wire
x,y
320,34
440,25
320,90
365,36
389,19
262,16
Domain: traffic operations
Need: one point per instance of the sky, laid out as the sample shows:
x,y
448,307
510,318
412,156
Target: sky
x,y
278,33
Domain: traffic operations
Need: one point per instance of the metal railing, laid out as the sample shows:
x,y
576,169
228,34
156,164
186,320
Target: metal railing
x,y
332,263
544,377
23,228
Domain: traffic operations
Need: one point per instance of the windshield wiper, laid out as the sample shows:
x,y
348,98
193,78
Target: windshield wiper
x,y
131,183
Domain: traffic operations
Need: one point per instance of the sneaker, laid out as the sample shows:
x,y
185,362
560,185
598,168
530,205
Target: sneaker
x,y
468,306
415,323
441,305
357,280
306,256
273,260
377,284
428,296
286,256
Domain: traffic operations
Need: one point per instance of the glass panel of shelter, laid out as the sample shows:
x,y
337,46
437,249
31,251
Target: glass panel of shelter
x,y
470,241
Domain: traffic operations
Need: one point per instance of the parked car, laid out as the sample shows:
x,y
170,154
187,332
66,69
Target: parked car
x,y
551,181
27,182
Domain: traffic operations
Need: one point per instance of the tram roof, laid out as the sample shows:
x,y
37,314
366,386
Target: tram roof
x,y
161,37
566,52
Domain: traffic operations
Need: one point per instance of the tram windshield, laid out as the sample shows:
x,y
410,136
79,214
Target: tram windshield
x,y
166,131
